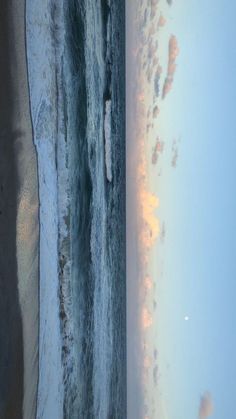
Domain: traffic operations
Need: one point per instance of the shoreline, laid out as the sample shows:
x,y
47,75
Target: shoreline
x,y
44,84
37,170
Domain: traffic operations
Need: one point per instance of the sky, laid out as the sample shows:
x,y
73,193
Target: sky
x,y
186,274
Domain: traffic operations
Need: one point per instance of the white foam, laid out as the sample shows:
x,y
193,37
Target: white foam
x,y
43,94
107,130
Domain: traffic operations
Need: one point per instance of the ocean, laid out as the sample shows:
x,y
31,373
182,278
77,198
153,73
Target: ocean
x,y
76,64
98,210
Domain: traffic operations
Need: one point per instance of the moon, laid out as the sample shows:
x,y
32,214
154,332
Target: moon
x,y
186,318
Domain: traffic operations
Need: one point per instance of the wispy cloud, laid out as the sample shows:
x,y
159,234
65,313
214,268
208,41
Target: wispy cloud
x,y
155,375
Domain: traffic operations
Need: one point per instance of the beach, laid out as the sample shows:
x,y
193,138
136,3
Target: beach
x,y
18,224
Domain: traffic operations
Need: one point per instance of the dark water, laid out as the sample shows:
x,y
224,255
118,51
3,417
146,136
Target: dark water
x,y
94,348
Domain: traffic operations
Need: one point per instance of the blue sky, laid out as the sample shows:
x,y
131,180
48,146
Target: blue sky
x,y
195,268
198,204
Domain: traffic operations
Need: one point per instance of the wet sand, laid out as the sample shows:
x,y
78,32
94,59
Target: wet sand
x,y
18,224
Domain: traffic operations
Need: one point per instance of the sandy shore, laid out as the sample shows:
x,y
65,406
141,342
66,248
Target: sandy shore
x,y
18,224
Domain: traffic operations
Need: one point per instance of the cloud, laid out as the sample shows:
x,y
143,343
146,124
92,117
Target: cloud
x,y
149,73
155,375
206,406
175,153
157,150
146,318
173,53
161,22
156,84
171,68
155,111
151,50
152,30
154,4
163,232
147,362
155,60
167,87
173,48
174,158
151,225
148,283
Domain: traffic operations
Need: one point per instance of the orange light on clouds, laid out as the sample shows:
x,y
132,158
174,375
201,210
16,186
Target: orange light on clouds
x,y
173,53
146,318
146,111
148,284
147,362
150,87
161,21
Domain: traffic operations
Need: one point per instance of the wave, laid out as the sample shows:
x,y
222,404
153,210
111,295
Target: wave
x,y
82,206
107,130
